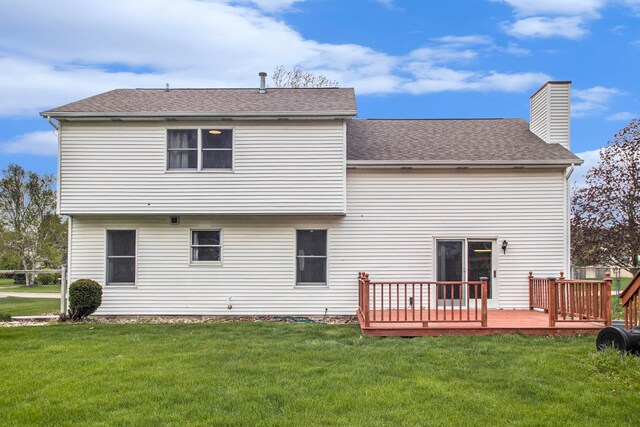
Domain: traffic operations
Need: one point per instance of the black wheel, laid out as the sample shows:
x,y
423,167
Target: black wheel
x,y
612,336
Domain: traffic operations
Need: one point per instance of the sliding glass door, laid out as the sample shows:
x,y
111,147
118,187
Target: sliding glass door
x,y
459,260
449,268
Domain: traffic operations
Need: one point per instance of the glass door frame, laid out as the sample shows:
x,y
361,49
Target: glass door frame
x,y
491,302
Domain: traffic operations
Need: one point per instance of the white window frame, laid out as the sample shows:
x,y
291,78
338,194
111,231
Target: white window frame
x,y
191,246
106,257
199,168
324,284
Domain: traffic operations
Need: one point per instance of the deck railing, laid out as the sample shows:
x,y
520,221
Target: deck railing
x,y
630,301
421,302
571,300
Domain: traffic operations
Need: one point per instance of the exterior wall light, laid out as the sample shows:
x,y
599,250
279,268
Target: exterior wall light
x,y
504,246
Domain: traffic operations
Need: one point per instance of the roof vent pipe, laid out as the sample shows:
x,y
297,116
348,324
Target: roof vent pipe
x,y
167,88
263,87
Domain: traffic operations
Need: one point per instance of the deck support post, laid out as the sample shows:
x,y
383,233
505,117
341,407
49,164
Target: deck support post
x,y
485,289
552,302
607,299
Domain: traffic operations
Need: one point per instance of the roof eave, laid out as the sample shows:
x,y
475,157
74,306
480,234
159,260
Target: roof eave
x,y
182,115
394,164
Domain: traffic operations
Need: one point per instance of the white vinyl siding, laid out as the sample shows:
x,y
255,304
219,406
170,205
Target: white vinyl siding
x,y
278,168
394,218
550,113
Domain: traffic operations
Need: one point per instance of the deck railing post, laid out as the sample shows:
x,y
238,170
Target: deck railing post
x,y
485,289
552,304
607,299
363,283
560,297
530,290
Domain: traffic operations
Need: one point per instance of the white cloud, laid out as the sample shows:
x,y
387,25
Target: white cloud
x,y
439,79
273,5
40,143
553,18
556,7
591,158
571,27
465,40
386,3
92,48
634,5
622,116
592,101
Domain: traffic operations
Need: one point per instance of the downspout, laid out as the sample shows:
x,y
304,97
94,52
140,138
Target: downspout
x,y
57,130
52,124
567,224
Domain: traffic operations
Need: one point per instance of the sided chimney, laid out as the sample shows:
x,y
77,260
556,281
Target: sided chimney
x,y
550,116
263,84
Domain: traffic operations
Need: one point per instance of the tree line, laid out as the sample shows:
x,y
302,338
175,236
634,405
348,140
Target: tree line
x,y
32,235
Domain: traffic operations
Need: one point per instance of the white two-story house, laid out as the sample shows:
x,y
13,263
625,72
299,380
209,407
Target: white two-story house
x,y
270,201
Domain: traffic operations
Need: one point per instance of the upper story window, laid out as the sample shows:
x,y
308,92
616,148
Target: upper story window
x,y
182,149
200,149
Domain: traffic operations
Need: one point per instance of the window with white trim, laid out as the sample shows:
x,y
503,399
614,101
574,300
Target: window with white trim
x,y
182,149
311,257
206,246
199,149
121,257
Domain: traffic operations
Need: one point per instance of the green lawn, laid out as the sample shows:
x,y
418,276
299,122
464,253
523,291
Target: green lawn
x,y
297,375
32,289
14,306
7,285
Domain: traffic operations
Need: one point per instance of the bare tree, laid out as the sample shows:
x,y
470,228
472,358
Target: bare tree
x,y
606,212
297,78
30,228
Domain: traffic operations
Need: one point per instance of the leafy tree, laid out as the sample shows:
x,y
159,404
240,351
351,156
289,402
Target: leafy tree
x,y
606,212
30,229
297,78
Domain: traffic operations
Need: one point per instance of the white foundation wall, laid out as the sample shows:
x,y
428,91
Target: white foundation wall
x,y
389,231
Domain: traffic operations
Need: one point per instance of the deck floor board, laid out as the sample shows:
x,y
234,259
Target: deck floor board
x,y
526,322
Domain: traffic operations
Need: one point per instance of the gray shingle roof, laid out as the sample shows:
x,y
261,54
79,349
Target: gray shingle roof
x,y
212,102
463,141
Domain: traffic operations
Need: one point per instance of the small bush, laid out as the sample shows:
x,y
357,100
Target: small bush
x,y
44,279
19,279
85,296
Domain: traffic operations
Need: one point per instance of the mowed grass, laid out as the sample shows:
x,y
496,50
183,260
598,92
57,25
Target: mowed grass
x,y
32,289
7,285
14,306
312,375
6,282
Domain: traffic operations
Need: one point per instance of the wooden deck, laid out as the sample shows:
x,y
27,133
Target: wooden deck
x,y
525,322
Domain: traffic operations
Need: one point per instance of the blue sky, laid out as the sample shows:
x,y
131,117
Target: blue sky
x,y
406,59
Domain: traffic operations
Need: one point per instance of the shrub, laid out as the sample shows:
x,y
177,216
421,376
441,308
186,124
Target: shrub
x,y
19,279
44,279
85,297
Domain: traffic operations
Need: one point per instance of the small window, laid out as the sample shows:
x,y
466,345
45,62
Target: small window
x,y
121,257
205,245
311,257
217,149
182,149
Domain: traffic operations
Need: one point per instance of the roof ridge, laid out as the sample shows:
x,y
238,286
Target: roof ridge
x,y
443,119
230,88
